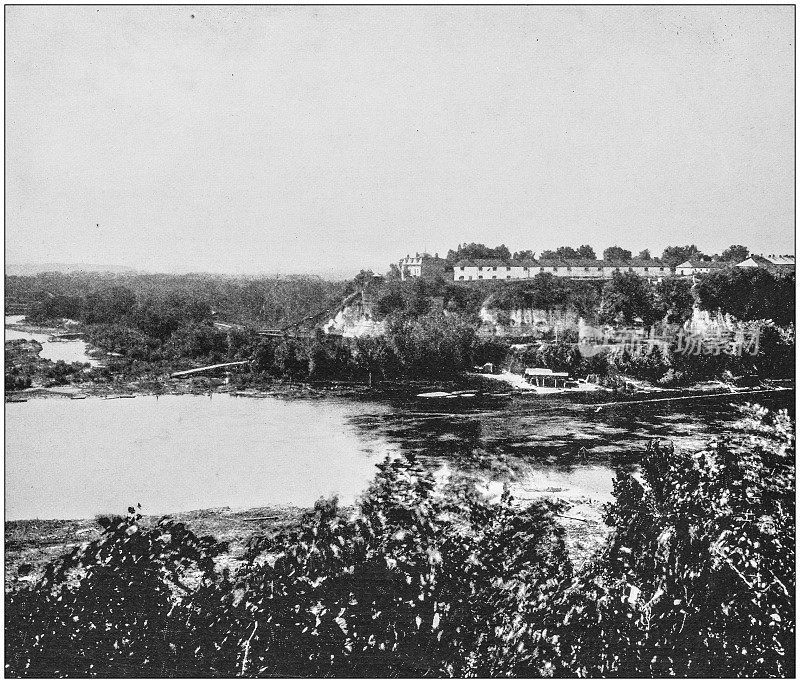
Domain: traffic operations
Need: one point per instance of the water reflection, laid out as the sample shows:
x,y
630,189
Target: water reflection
x,y
569,442
72,459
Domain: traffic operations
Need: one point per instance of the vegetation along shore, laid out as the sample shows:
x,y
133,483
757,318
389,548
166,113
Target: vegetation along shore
x,y
306,332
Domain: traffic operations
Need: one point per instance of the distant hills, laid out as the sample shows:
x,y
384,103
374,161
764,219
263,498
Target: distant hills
x,y
334,274
35,268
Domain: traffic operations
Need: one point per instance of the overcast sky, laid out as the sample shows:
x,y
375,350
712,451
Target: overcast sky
x,y
302,139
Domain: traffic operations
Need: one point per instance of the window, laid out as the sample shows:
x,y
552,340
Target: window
x,y
461,277
630,270
555,270
480,277
541,269
494,268
586,269
646,269
508,277
494,277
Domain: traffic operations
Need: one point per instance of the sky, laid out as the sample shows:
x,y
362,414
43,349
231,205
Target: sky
x,y
329,139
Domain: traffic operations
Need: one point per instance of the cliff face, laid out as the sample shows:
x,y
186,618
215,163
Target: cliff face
x,y
526,321
355,319
705,321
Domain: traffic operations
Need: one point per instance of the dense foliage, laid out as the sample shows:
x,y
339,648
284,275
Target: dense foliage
x,y
749,294
420,582
430,579
698,577
477,251
101,297
158,324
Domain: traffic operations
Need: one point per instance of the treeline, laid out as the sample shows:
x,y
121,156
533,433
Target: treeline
x,y
431,345
672,255
745,293
156,331
432,325
429,579
671,365
258,301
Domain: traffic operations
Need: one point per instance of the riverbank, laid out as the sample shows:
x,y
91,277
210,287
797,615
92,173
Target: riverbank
x,y
31,544
39,379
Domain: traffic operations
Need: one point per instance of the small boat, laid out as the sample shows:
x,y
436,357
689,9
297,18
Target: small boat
x,y
127,396
77,397
16,400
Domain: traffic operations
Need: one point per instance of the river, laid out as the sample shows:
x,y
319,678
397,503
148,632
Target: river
x,y
70,351
72,459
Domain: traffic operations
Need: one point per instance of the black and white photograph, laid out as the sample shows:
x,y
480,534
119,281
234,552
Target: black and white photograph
x,y
399,341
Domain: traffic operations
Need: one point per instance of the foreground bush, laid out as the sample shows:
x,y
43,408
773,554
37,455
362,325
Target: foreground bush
x,y
418,583
697,580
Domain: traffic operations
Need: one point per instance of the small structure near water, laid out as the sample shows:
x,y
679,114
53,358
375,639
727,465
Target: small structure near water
x,y
545,377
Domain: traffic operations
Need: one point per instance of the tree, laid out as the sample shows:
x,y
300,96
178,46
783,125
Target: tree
x,y
549,255
524,255
698,578
567,253
673,300
586,252
672,256
432,344
748,294
200,341
474,250
644,255
616,254
585,298
109,305
364,278
291,359
503,252
627,296
735,253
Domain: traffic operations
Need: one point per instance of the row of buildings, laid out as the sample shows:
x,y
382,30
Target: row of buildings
x,y
427,266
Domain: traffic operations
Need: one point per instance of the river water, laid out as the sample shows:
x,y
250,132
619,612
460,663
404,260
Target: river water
x,y
72,459
70,351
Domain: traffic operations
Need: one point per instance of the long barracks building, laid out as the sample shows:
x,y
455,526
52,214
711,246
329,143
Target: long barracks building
x,y
495,269
427,266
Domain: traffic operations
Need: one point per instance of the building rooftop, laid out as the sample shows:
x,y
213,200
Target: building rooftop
x,y
559,263
699,263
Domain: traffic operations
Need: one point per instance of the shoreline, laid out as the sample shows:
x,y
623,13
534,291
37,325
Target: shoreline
x,y
33,543
287,389
164,385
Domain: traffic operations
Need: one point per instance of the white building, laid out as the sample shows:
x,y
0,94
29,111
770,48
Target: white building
x,y
699,266
780,263
421,265
495,269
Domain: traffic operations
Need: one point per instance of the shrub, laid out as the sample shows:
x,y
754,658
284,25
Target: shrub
x,y
698,578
